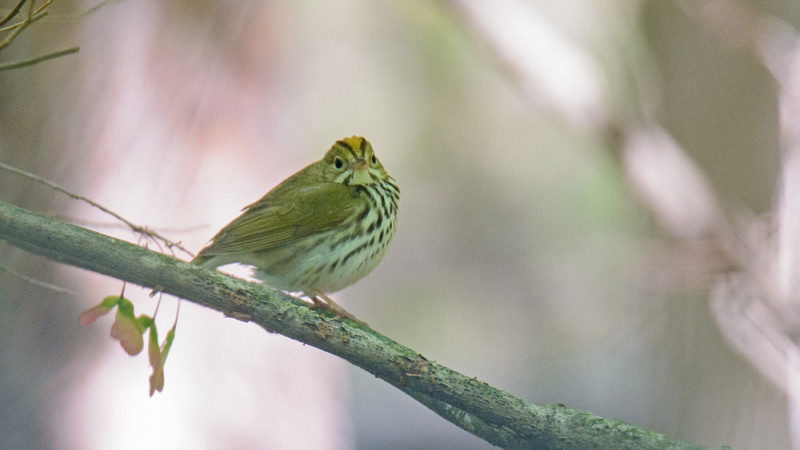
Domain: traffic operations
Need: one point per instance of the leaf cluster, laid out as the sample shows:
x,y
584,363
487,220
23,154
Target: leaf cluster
x,y
129,331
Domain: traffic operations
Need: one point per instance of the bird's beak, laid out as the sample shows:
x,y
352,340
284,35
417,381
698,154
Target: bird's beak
x,y
360,172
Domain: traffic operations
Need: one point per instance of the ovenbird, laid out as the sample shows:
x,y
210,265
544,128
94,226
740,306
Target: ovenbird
x,y
318,231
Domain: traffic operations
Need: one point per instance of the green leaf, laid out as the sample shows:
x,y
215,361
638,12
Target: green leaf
x,y
153,350
157,378
168,342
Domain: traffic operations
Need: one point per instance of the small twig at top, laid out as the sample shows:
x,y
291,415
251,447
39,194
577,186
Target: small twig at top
x,y
70,17
136,228
12,13
95,8
46,4
33,16
18,29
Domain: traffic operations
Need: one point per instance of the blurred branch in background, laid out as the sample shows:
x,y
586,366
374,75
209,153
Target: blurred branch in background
x,y
35,282
754,259
756,301
483,410
757,306
549,71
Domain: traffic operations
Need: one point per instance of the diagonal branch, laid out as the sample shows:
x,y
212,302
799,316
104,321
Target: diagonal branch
x,y
490,413
38,59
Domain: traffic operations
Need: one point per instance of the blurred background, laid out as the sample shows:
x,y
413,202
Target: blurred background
x,y
599,207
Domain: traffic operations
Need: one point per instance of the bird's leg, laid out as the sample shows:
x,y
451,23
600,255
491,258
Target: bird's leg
x,y
323,301
318,303
333,306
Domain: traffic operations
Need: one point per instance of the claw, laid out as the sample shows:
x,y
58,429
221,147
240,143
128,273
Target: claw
x,y
323,301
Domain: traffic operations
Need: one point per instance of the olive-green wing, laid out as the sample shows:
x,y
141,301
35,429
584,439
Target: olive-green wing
x,y
283,217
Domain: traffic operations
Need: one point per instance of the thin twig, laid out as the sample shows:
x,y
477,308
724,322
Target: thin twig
x,y
111,226
136,228
46,4
34,15
18,29
12,13
96,7
35,282
38,59
57,17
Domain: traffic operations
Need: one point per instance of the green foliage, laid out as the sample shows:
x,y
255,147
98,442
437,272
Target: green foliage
x,y
129,331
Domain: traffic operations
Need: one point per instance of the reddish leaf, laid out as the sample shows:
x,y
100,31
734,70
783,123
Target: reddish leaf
x,y
90,315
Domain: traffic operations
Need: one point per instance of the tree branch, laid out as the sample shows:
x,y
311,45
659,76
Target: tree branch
x,y
490,413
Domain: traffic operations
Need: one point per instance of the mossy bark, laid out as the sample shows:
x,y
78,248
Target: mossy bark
x,y
488,412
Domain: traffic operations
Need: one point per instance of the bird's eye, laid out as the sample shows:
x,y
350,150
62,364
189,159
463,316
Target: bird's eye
x,y
337,162
374,160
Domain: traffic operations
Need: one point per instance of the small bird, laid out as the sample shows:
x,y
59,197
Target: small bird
x,y
318,231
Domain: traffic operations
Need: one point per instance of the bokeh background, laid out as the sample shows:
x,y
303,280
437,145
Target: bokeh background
x,y
570,174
